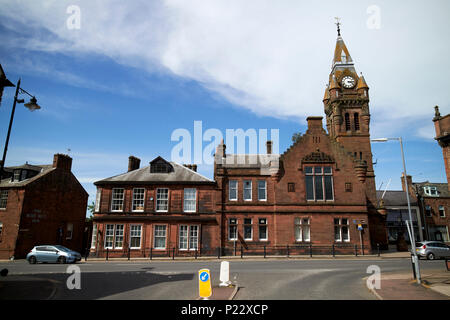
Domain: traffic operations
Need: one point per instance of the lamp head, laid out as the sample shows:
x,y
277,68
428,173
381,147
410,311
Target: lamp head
x,y
32,105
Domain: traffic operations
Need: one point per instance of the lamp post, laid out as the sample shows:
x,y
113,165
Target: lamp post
x,y
32,106
415,260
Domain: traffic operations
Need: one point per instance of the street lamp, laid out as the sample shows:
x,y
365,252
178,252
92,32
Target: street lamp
x,y
412,236
32,106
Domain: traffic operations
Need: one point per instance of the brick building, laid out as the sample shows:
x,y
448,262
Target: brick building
x,y
41,204
321,191
155,210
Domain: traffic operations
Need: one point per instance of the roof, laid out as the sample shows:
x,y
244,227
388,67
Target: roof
x,y
267,163
395,198
442,189
143,176
42,169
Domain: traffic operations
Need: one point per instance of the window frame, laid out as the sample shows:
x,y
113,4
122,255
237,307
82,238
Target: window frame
x,y
233,226
265,190
299,224
248,225
315,176
98,197
247,189
159,236
341,225
109,235
4,199
116,236
194,200
135,202
94,236
167,200
113,193
441,209
266,228
134,236
187,238
236,188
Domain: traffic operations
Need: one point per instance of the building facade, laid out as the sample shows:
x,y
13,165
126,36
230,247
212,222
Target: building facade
x,y
321,191
161,210
41,204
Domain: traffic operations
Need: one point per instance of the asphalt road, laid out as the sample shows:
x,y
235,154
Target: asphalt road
x,y
177,280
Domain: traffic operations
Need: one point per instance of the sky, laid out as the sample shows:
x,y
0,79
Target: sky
x,y
118,78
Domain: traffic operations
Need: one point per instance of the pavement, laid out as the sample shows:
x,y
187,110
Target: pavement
x,y
435,285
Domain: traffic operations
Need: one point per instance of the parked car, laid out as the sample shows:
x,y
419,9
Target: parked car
x,y
52,253
432,250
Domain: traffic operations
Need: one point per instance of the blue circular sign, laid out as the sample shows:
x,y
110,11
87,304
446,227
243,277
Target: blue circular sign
x,y
204,276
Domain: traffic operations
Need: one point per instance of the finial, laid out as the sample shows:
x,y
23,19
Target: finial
x,y
436,111
338,23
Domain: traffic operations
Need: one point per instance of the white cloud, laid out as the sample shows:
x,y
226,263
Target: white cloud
x,y
270,57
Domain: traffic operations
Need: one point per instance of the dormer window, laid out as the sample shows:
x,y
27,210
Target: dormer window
x,y
431,191
23,175
16,175
159,165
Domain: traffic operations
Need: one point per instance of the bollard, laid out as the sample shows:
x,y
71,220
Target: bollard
x,y
128,253
173,253
264,252
151,253
218,253
287,247
241,253
332,251
195,253
356,250
378,249
107,254
86,254
310,250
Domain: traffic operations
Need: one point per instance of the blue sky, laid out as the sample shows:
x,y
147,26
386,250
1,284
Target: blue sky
x,y
136,71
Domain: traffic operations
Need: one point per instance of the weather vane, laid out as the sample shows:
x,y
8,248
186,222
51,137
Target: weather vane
x,y
338,23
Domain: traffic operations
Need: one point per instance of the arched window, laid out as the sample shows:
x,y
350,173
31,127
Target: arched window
x,y
347,122
356,121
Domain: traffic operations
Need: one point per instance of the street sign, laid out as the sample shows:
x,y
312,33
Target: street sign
x,y
360,227
204,283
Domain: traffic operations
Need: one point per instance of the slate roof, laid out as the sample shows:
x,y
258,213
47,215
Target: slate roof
x,y
42,169
442,189
180,174
395,198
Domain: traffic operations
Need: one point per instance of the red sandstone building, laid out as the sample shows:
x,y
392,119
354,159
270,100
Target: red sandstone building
x,y
160,210
321,191
41,204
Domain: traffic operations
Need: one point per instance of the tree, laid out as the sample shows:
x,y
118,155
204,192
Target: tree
x,y
91,209
296,136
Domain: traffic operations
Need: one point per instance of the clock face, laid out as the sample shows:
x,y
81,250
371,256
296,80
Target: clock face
x,y
348,82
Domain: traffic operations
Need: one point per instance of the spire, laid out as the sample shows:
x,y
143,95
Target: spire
x,y
362,83
338,23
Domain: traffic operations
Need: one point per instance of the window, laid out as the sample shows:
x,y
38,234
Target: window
x,y
16,176
232,229
341,230
348,187
188,237
97,200
441,212
118,241
248,229
319,183
109,236
23,175
94,236
138,199
135,236
233,192
162,200
160,237
69,232
117,200
302,229
428,211
439,233
3,199
347,122
291,187
356,121
262,229
431,191
190,203
247,190
262,191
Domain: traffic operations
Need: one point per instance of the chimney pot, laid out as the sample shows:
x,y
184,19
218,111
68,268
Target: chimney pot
x,y
269,147
62,161
133,163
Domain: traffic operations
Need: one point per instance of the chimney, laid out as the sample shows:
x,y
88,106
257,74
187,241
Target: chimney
x,y
133,163
269,147
194,167
315,124
62,161
408,180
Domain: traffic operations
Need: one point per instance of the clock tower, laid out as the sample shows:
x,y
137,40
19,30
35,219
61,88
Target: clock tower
x,y
346,104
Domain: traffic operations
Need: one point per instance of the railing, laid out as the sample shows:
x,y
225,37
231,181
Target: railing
x,y
306,250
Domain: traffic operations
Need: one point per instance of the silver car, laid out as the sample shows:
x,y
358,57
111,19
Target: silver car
x,y
432,250
52,253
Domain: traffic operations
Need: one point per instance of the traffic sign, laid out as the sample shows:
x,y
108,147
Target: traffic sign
x,y
204,283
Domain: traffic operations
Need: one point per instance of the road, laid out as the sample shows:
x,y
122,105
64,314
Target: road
x,y
177,280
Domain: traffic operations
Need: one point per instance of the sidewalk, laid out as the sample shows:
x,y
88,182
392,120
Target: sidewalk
x,y
401,286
